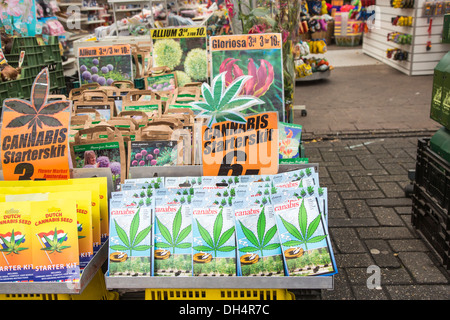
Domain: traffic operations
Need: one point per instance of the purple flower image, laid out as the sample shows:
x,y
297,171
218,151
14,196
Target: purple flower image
x,y
138,156
110,67
144,152
142,163
134,163
86,75
105,69
83,68
153,162
95,61
94,77
103,162
156,151
94,69
109,81
101,81
149,157
115,168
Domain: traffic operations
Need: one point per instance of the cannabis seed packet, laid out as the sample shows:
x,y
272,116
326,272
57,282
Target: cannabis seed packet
x,y
130,250
218,182
55,241
214,241
257,237
173,237
320,193
304,239
16,232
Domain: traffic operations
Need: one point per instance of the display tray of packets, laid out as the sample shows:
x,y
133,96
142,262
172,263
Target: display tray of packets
x,y
51,230
248,226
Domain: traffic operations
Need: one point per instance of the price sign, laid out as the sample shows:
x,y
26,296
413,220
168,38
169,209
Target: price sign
x,y
34,135
231,148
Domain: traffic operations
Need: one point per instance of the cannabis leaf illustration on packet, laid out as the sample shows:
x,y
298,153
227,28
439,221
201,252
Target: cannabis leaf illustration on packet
x,y
37,112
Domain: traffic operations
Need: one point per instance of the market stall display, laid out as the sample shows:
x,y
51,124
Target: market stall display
x,y
144,168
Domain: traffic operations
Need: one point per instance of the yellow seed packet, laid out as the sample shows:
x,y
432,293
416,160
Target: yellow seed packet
x,y
16,262
84,217
55,240
95,194
103,195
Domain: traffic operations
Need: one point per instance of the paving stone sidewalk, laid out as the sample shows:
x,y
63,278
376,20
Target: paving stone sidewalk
x,y
370,220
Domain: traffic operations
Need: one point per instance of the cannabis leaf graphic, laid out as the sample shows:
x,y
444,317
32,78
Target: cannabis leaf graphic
x,y
261,239
55,244
303,234
13,245
37,112
220,238
178,235
132,242
222,104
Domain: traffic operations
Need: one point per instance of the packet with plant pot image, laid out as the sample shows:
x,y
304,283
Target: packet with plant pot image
x,y
173,236
304,237
130,239
259,249
214,238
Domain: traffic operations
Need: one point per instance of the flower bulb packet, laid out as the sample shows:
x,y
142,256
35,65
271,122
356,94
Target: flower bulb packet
x,y
306,245
259,249
130,240
172,237
289,140
16,232
55,241
214,239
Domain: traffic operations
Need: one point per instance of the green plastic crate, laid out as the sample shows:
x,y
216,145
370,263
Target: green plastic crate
x,y
23,42
30,59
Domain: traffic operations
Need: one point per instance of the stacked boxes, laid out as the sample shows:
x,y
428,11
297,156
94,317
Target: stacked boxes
x,y
36,58
431,200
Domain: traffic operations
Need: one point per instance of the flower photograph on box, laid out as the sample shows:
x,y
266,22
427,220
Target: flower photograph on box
x,y
266,69
153,153
187,56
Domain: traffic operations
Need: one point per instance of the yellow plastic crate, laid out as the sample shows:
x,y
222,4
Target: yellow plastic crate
x,y
95,290
218,294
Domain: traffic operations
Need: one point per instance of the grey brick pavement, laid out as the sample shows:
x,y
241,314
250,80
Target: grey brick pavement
x,y
370,220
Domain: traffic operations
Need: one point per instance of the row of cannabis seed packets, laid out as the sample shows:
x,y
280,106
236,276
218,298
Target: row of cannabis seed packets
x,y
51,229
271,225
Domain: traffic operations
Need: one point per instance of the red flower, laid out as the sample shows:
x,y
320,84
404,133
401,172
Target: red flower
x,y
262,77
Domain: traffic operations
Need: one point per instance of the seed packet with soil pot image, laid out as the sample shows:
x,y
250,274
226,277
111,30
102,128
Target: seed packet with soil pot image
x,y
259,248
100,147
172,237
214,239
130,250
304,239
